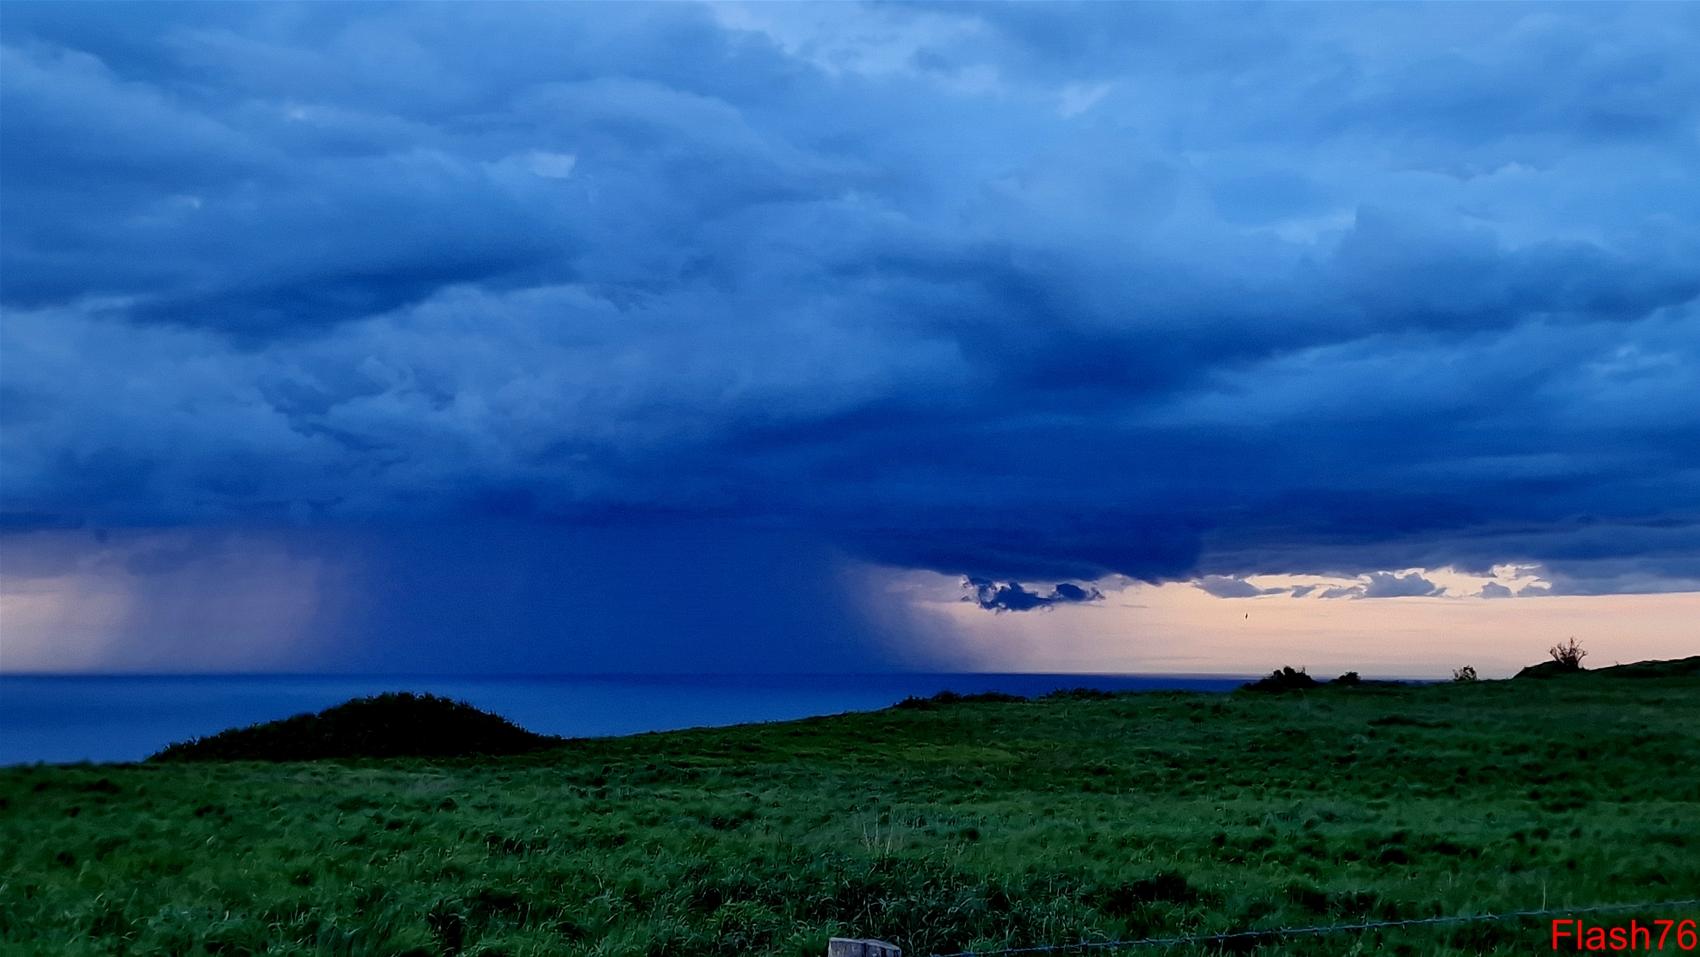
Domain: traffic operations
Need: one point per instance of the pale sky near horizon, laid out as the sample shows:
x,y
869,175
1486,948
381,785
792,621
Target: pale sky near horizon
x,y
266,607
1178,629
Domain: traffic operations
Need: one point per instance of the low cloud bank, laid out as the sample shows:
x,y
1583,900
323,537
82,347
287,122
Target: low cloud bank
x,y
1013,596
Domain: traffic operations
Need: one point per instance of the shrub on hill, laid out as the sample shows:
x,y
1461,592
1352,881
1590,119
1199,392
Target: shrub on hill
x,y
395,725
952,697
1078,694
1566,660
1284,679
1568,656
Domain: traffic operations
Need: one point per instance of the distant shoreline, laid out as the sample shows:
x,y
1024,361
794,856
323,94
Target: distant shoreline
x,y
117,718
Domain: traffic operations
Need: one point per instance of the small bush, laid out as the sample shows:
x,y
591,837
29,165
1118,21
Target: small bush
x,y
952,697
1285,679
1078,694
1465,673
1569,656
1348,679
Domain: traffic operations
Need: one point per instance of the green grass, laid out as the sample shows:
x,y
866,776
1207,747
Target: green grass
x,y
964,824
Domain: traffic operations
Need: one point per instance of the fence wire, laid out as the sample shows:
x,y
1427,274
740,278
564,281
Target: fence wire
x,y
1277,932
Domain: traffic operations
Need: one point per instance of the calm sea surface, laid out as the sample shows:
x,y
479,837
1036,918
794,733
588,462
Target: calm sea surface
x,y
127,718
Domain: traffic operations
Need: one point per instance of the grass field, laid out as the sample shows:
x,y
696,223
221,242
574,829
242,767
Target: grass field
x,y
941,827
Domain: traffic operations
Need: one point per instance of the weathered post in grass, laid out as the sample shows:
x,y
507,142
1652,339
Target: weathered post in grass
x,y
847,947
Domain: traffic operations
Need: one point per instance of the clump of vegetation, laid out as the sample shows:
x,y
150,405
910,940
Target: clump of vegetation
x,y
1349,679
1283,679
1464,674
1569,656
1566,660
1129,897
952,697
1397,720
397,725
1078,694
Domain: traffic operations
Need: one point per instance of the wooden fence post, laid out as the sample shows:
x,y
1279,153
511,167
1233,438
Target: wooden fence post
x,y
847,947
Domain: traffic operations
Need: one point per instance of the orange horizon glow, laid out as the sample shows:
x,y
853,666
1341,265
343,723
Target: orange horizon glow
x,y
259,612
1177,628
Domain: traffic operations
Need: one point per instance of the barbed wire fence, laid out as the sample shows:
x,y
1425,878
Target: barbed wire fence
x,y
1319,929
843,947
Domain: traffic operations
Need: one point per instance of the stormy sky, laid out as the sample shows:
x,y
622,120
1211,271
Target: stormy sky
x,y
720,337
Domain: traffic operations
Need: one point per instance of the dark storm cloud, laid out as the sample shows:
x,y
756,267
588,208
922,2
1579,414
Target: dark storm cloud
x,y
1391,585
1388,585
1011,596
1227,586
1019,292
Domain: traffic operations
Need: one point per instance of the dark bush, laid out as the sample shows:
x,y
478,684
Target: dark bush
x,y
1465,673
1348,679
1568,655
1079,694
952,697
1286,679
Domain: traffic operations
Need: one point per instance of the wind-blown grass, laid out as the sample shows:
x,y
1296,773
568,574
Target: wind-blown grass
x,y
956,824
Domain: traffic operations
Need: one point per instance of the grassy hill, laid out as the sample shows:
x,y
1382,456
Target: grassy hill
x,y
400,725
1676,668
940,826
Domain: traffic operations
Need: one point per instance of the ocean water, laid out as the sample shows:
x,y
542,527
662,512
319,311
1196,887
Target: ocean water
x,y
126,718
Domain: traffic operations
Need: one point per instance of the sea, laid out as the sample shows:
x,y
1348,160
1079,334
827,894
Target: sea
x,y
66,719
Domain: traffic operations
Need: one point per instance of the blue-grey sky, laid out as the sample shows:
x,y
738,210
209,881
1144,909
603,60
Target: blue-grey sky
x,y
590,337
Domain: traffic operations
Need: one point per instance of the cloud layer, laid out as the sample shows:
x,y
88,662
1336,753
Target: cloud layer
x,y
1018,292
